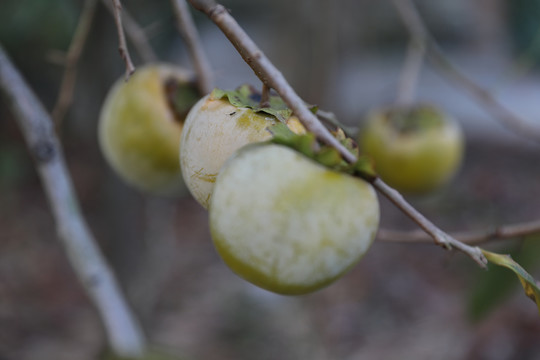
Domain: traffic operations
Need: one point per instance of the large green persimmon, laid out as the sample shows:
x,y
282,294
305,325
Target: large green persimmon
x,y
415,149
214,129
288,224
140,126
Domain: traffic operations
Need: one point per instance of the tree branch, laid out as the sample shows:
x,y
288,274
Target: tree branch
x,y
65,94
440,237
189,33
123,331
271,77
410,72
267,72
122,47
419,33
468,237
135,34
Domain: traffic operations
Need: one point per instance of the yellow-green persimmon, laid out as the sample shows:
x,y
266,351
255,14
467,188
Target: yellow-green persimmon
x,y
213,131
288,224
140,126
415,149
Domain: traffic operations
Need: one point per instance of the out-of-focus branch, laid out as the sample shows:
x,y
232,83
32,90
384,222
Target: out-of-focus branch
x,y
330,118
65,94
419,33
272,77
135,34
410,72
468,237
122,47
123,331
189,33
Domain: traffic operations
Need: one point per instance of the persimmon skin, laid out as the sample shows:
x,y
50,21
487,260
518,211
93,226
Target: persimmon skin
x,y
138,132
213,131
288,224
413,158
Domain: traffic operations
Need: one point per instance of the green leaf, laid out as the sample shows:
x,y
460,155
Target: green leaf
x,y
247,97
323,154
364,168
281,134
491,288
529,284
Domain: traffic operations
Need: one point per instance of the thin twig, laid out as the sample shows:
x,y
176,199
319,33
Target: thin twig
x,y
270,76
440,237
189,33
122,47
123,331
410,73
135,34
265,96
65,95
418,31
330,118
468,237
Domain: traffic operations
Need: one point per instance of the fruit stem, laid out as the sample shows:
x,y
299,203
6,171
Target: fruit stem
x,y
265,96
410,72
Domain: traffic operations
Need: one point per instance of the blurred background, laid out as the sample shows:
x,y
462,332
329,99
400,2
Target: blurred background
x,y
401,301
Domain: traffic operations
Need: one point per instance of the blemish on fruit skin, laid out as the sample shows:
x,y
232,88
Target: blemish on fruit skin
x,y
211,178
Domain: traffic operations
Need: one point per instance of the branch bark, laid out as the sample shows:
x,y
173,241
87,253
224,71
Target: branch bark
x,y
272,77
135,34
65,94
189,33
469,237
122,47
123,331
420,34
410,73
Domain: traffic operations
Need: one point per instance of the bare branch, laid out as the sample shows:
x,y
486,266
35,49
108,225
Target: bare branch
x,y
410,73
271,77
123,331
135,34
468,237
65,95
267,72
419,33
440,237
189,33
124,52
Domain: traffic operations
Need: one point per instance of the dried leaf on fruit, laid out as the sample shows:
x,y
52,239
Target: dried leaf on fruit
x,y
247,96
181,97
326,155
527,281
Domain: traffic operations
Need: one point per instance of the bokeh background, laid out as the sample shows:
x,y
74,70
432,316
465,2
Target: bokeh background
x,y
402,301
